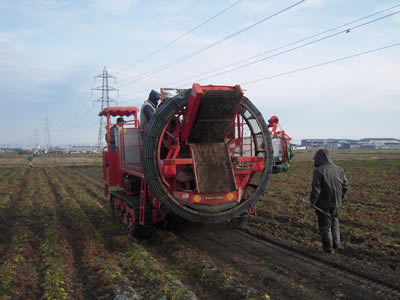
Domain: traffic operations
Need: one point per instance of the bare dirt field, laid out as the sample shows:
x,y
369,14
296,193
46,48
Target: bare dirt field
x,y
44,160
57,231
370,222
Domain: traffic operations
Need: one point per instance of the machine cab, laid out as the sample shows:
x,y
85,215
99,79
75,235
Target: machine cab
x,y
121,155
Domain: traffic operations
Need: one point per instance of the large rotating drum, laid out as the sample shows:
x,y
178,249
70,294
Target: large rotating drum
x,y
207,154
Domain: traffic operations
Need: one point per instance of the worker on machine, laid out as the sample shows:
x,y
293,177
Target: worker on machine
x,y
113,132
148,109
329,187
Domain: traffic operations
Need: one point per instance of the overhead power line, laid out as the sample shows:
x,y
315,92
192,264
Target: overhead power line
x,y
80,131
284,46
82,114
180,37
75,119
72,115
298,47
86,117
83,117
322,64
198,51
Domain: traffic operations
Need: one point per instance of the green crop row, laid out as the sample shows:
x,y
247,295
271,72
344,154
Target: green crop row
x,y
10,178
144,267
131,264
16,258
4,175
56,281
96,186
100,267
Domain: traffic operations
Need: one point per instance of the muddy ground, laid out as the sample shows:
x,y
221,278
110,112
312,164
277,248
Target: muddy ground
x,y
57,230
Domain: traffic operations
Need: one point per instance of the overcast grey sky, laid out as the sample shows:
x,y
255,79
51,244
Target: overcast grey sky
x,y
50,52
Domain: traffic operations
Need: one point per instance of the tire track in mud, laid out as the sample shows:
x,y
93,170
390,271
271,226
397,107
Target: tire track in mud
x,y
253,263
200,270
389,289
282,271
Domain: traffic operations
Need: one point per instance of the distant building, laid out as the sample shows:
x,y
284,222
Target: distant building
x,y
297,147
368,146
393,146
339,144
380,143
14,150
314,143
379,140
83,149
355,146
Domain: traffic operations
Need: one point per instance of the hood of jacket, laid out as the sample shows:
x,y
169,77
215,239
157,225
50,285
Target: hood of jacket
x,y
154,97
322,157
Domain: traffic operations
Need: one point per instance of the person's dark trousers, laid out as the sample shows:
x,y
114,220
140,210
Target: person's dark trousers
x,y
329,229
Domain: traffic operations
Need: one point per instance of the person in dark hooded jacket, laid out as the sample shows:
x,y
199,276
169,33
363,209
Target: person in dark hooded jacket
x,y
329,187
148,109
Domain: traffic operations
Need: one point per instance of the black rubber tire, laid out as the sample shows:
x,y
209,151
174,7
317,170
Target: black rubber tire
x,y
152,174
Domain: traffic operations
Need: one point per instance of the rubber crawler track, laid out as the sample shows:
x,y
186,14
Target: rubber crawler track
x,y
134,203
390,291
152,174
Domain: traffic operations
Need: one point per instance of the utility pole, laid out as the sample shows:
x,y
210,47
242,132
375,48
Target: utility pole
x,y
48,135
36,147
105,100
36,137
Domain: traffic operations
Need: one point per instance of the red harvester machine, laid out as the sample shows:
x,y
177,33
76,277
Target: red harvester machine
x,y
206,155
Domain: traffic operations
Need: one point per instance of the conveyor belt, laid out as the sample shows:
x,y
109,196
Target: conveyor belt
x,y
213,168
215,116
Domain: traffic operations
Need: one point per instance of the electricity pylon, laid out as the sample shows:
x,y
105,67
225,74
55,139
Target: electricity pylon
x,y
105,100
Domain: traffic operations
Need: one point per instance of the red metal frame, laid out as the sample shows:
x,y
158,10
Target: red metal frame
x,y
275,133
193,106
173,140
112,171
274,123
143,196
122,111
170,164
